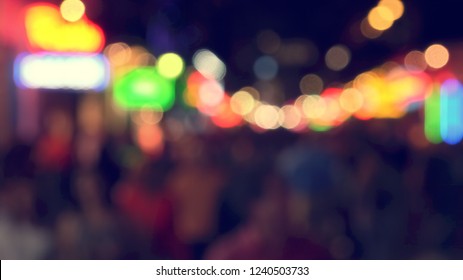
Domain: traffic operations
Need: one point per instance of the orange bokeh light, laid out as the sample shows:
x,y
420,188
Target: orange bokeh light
x,y
225,117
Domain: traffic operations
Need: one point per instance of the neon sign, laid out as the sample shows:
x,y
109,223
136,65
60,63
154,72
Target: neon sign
x,y
55,70
47,30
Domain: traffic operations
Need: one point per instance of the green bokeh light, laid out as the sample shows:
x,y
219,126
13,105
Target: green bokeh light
x,y
144,88
432,116
320,128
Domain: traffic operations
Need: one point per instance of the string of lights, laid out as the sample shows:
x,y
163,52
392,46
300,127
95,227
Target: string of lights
x,y
142,82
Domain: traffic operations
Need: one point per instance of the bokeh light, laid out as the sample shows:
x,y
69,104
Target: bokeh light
x,y
311,84
242,102
170,65
266,68
209,65
437,56
194,82
147,116
211,94
337,57
118,54
432,115
415,61
314,106
225,117
351,100
451,108
292,117
144,88
150,139
380,18
267,116
72,10
334,114
395,6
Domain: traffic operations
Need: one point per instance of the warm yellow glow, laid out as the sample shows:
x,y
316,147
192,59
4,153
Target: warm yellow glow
x,y
72,10
299,101
437,56
311,84
314,106
380,18
332,112
291,117
118,54
351,100
369,84
395,6
170,65
47,30
267,117
415,61
242,103
337,57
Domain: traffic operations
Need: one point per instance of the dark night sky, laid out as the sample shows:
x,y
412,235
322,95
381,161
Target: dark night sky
x,y
227,25
227,20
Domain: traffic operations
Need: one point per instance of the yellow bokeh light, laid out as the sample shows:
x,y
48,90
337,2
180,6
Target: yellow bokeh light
x,y
331,113
437,56
351,100
380,18
267,116
242,103
291,117
170,65
72,10
299,101
118,53
395,6
314,106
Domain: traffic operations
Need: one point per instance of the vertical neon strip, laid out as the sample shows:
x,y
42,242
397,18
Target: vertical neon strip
x,y
451,106
432,117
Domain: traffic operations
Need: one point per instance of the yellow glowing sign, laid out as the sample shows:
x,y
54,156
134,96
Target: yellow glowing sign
x,y
47,30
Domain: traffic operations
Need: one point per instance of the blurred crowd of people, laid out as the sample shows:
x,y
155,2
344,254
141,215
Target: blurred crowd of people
x,y
367,190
